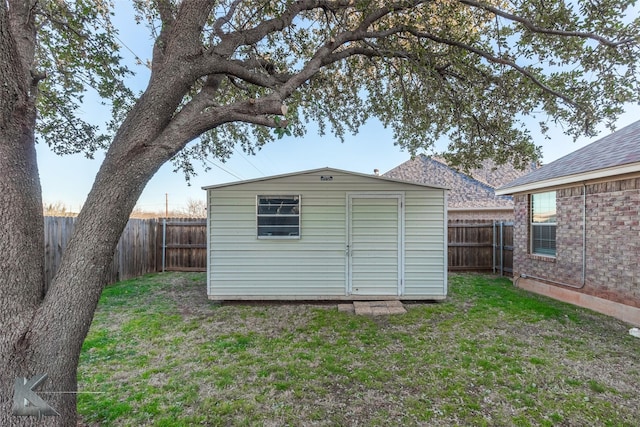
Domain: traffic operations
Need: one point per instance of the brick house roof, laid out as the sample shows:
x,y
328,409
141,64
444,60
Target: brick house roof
x,y
475,190
619,149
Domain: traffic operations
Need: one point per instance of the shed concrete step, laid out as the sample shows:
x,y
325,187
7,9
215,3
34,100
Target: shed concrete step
x,y
373,308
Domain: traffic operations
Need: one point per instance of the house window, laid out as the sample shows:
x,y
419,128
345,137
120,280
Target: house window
x,y
278,217
543,223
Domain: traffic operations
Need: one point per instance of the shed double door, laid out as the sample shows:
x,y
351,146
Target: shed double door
x,y
374,244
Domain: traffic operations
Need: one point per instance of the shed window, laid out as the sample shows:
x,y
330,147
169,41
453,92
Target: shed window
x,y
278,217
543,224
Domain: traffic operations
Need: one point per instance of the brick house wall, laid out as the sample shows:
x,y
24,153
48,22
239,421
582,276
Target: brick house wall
x,y
612,240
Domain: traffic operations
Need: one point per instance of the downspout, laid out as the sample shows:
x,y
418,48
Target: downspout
x,y
501,248
584,234
584,250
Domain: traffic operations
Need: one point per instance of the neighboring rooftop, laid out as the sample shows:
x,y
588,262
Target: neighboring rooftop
x,y
614,152
473,190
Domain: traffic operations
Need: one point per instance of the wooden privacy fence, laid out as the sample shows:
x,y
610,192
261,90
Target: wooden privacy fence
x,y
180,244
135,254
481,246
144,245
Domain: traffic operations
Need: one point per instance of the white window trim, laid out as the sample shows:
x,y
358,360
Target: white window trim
x,y
541,224
299,216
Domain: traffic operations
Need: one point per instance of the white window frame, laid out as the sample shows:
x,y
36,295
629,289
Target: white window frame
x,y
278,215
533,225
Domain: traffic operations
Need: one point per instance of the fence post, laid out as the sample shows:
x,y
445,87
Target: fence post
x,y
493,255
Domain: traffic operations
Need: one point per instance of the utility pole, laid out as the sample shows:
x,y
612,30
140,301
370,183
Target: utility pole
x,y
166,205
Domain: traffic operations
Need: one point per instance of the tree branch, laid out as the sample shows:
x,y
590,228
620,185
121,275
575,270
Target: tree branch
x,y
217,63
486,55
372,52
186,31
496,60
217,26
192,121
165,10
536,29
243,70
204,114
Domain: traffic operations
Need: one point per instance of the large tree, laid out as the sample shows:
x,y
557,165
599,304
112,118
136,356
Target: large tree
x,y
233,72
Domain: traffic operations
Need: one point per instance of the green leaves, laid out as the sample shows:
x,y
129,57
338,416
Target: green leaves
x,y
282,127
78,51
468,72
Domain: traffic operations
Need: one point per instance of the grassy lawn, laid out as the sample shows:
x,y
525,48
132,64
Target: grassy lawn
x,y
162,354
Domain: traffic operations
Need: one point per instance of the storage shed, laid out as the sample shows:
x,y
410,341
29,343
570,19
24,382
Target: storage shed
x,y
326,234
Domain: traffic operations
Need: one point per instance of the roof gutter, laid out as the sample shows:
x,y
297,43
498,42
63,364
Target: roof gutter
x,y
570,179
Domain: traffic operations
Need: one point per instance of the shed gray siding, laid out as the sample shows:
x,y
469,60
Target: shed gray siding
x,y
241,266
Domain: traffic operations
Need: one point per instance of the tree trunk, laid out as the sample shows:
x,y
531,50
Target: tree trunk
x,y
46,334
46,329
43,329
21,222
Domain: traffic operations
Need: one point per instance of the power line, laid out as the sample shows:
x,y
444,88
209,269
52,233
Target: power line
x,y
136,57
246,159
224,170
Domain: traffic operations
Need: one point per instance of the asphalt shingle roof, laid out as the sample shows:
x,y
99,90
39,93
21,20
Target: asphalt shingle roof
x,y
617,149
475,190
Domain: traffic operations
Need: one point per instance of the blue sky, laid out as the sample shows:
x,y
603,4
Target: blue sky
x,y
68,179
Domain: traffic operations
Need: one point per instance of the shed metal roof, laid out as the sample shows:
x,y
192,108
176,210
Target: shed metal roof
x,y
327,170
